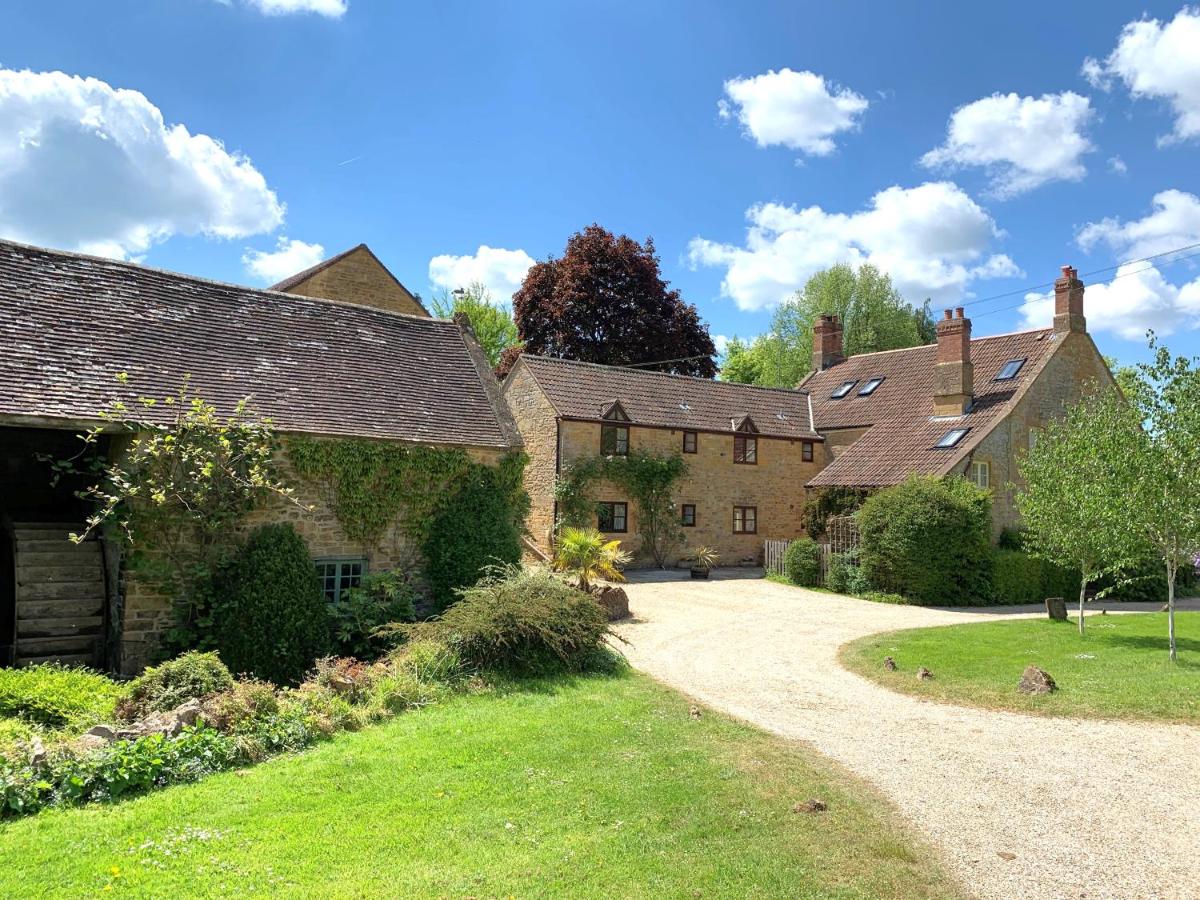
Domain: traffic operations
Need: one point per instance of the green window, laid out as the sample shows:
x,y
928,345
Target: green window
x,y
338,575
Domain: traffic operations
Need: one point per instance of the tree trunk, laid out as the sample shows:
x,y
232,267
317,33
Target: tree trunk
x,y
1171,572
1083,583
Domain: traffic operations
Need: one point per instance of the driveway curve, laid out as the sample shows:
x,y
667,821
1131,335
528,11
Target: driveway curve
x,y
1020,806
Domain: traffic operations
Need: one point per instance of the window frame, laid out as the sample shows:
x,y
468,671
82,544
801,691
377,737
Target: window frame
x,y
986,467
695,436
749,450
945,442
612,517
806,451
871,385
843,389
615,429
752,518
1019,363
683,515
339,575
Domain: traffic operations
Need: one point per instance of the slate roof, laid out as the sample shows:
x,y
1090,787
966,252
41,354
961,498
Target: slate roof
x,y
899,414
583,391
70,323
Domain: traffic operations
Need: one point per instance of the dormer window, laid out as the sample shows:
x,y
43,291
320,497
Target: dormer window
x,y
614,438
951,438
869,388
1010,370
843,389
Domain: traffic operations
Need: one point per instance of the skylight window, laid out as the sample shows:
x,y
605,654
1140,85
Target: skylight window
x,y
951,438
1010,370
869,388
842,390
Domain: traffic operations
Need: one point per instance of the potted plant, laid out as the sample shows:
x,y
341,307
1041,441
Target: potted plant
x,y
703,561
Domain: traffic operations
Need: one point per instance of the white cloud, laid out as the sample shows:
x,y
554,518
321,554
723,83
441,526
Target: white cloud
x,y
1117,165
331,9
288,258
800,110
932,239
500,271
721,342
1023,142
85,166
1175,222
1137,299
1161,61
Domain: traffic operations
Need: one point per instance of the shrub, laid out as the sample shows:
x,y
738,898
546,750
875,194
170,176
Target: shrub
x,y
57,696
929,540
432,662
1011,538
270,616
191,676
522,621
838,577
802,562
829,502
1020,578
380,599
245,701
479,525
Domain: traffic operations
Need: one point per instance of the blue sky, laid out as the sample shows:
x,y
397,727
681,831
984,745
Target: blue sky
x,y
969,151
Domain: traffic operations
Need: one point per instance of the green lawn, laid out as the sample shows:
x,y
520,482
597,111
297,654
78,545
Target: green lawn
x,y
1118,670
591,787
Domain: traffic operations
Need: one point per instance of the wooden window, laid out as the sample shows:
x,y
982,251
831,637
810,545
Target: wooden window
x,y
613,517
689,442
745,520
745,449
614,440
688,519
806,451
981,473
338,575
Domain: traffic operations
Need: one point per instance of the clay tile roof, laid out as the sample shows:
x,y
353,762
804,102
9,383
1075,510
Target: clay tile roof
x,y
899,414
70,323
584,390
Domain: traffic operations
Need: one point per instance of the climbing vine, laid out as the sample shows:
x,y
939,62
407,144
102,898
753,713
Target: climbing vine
x,y
649,479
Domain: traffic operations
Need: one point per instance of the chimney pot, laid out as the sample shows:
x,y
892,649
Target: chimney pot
x,y
958,312
1068,302
949,314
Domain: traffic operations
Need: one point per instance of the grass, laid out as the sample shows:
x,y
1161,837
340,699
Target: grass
x,y
572,788
1118,670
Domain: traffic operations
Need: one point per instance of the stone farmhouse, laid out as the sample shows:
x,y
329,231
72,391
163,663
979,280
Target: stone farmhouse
x,y
346,351
756,455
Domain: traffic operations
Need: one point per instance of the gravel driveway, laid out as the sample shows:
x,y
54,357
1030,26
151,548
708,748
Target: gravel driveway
x,y
1090,809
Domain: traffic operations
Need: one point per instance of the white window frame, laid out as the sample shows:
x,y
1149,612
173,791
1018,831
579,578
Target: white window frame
x,y
981,466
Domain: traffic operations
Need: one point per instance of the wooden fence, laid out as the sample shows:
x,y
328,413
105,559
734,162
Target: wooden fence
x,y
773,552
841,536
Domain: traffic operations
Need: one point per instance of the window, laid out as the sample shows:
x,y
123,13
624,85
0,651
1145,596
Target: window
x,y
869,388
981,473
613,518
951,438
614,440
842,390
688,519
745,449
745,520
337,575
689,442
806,451
1010,370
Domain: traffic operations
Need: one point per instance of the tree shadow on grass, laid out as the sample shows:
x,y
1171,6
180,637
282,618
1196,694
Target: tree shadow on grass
x,y
609,666
1158,645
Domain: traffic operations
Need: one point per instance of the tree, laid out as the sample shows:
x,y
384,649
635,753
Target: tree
x,y
1163,496
604,301
584,553
873,314
493,325
1078,482
742,362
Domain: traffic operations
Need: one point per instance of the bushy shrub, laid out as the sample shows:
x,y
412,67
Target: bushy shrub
x,y
1020,578
57,696
380,599
928,539
245,701
829,502
1011,538
477,526
270,616
802,562
522,621
190,676
838,577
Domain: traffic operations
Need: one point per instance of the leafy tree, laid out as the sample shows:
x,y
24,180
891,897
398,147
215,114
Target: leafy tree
x,y
1078,482
585,554
604,301
1162,490
873,314
742,362
493,324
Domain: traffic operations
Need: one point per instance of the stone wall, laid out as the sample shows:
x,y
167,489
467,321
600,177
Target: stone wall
x,y
359,278
147,613
538,424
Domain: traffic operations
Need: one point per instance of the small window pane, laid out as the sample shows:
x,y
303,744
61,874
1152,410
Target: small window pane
x,y
612,517
1010,370
843,389
688,517
339,575
806,451
869,388
745,449
614,440
952,437
689,442
981,474
745,520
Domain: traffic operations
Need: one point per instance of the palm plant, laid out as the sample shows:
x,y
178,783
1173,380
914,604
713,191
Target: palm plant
x,y
586,555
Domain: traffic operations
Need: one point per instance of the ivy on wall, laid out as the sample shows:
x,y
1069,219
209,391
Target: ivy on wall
x,y
648,479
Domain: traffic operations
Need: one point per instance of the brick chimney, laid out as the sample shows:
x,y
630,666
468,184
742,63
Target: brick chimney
x,y
1068,302
954,377
827,343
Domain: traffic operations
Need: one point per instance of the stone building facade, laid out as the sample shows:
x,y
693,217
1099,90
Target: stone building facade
x,y
354,276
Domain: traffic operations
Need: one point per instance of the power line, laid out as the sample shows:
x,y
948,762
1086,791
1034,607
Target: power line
x,y
663,362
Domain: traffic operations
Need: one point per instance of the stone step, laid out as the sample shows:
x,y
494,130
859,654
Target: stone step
x,y
44,628
68,608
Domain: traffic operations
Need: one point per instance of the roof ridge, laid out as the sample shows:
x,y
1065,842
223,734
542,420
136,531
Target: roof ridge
x,y
304,274
985,337
200,279
629,369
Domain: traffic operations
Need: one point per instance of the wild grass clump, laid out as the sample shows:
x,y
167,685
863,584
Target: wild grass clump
x,y
54,696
